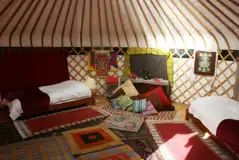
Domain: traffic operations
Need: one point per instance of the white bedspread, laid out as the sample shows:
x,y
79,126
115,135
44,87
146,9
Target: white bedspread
x,y
66,91
63,92
211,111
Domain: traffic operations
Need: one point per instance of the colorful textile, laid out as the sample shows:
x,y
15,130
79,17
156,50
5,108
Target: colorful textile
x,y
150,110
91,139
183,140
41,148
139,105
117,153
159,99
102,60
125,123
163,115
124,102
133,51
115,104
55,121
129,88
142,142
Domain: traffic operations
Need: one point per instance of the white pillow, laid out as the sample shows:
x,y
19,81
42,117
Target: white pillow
x,y
90,82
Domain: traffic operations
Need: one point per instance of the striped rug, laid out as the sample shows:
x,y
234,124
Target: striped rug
x,y
55,121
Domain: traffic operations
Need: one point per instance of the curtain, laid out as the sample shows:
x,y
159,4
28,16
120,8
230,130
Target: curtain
x,y
236,88
155,64
141,51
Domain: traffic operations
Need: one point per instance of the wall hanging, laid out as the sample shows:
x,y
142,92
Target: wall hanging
x,y
205,63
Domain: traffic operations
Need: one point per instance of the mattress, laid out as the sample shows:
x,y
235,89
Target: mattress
x,y
63,92
211,111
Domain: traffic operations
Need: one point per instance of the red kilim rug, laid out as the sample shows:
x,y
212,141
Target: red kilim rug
x,y
47,123
183,141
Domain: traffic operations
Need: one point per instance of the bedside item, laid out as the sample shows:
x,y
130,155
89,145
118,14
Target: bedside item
x,y
90,82
125,123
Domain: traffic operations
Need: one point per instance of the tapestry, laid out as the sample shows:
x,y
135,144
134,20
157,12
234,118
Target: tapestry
x,y
55,121
41,148
163,115
91,139
102,61
183,140
117,153
125,123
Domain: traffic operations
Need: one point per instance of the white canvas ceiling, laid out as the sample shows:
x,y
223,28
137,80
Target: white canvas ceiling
x,y
199,24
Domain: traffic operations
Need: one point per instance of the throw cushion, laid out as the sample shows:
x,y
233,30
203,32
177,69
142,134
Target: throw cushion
x,y
150,110
124,102
129,88
118,93
114,103
139,105
159,99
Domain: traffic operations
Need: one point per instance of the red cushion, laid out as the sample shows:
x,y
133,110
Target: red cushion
x,y
111,80
159,99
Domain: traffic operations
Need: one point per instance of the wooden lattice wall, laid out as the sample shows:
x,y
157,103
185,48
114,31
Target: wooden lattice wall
x,y
183,90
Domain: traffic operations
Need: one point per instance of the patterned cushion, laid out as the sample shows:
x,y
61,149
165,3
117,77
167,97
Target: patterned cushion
x,y
90,139
159,99
115,104
150,110
129,88
118,153
139,105
124,102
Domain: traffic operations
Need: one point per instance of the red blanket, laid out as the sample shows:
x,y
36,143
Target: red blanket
x,y
228,132
33,100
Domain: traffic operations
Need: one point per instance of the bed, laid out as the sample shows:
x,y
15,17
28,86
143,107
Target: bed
x,y
219,116
38,82
57,95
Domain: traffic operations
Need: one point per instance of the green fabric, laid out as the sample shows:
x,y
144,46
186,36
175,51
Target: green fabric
x,y
132,51
124,102
130,109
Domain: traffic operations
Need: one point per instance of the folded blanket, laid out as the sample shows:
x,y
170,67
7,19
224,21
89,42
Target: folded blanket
x,y
32,100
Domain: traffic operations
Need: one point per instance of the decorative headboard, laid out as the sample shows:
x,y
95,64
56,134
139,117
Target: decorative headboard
x,y
32,69
236,89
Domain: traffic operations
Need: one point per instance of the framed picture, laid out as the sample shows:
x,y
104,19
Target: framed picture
x,y
102,60
205,63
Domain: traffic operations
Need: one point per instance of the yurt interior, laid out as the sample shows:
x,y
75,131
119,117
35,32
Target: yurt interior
x,y
119,79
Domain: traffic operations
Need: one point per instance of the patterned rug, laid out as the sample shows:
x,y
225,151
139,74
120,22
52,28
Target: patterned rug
x,y
142,141
41,148
91,139
55,121
164,115
117,153
183,140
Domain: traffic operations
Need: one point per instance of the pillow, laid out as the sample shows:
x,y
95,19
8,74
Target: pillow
x,y
124,102
129,88
118,93
150,110
114,103
139,105
130,109
159,99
